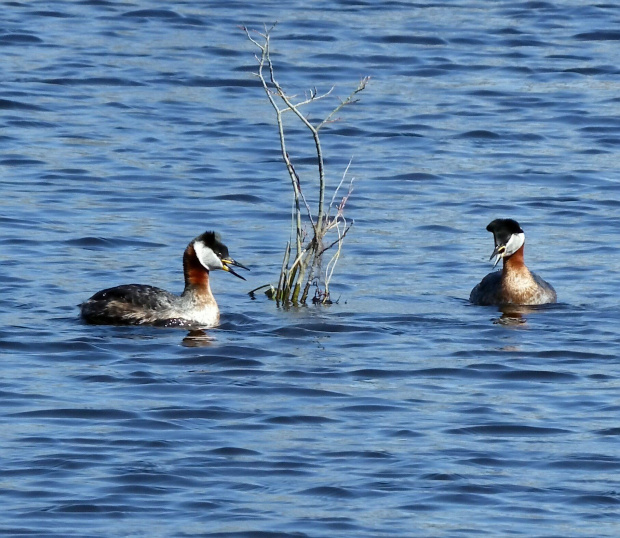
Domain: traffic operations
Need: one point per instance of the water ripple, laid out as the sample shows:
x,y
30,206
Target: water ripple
x,y
399,400
508,430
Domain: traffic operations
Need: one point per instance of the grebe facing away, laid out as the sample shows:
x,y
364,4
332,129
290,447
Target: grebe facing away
x,y
137,304
514,284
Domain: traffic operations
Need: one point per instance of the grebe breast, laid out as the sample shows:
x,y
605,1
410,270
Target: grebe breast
x,y
515,283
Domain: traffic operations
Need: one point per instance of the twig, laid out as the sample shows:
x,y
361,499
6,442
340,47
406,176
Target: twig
x,y
308,251
348,101
336,241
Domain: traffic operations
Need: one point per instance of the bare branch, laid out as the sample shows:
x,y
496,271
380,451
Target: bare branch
x,y
340,238
301,192
348,101
344,175
307,257
312,99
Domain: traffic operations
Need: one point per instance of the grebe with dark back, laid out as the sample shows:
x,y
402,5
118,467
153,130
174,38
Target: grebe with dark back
x,y
139,304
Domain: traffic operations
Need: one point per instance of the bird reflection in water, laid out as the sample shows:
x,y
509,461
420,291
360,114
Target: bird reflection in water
x,y
516,314
197,338
513,315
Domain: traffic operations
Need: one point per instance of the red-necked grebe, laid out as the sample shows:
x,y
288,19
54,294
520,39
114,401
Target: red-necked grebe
x,y
137,304
515,283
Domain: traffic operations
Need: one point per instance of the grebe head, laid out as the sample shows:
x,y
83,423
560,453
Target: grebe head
x,y
213,254
508,236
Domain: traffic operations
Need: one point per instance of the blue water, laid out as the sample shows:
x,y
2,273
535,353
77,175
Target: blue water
x,y
128,128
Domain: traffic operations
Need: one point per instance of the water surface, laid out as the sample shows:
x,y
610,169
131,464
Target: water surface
x,y
130,127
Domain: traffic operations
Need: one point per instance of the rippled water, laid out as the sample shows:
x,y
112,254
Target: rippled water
x,y
130,127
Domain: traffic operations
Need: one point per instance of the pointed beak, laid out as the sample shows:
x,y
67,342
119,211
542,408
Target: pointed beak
x,y
226,265
498,254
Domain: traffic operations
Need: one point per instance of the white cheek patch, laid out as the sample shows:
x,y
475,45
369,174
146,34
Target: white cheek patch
x,y
514,243
207,257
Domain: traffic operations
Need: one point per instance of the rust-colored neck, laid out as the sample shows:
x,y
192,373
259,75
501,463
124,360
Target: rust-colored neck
x,y
515,262
196,275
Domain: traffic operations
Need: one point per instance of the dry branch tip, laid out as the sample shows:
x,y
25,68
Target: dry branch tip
x,y
306,252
